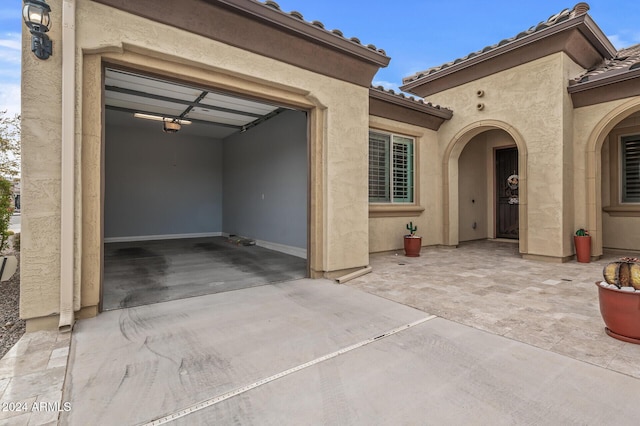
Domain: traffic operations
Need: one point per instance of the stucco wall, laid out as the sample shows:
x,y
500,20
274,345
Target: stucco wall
x,y
528,101
386,233
159,184
570,70
476,184
618,231
621,232
592,126
265,181
338,134
40,192
473,191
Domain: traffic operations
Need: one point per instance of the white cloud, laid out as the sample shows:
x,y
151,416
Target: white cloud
x,y
11,41
624,39
617,41
10,98
9,56
10,48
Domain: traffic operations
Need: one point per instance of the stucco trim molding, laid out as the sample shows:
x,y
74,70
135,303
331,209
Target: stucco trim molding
x,y
395,210
167,66
623,210
594,172
618,86
548,259
264,31
450,204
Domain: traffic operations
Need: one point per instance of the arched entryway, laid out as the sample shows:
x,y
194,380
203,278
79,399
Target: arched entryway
x,y
485,185
613,218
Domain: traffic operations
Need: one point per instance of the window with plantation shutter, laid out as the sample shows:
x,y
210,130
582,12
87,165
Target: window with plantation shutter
x,y
379,167
631,169
390,168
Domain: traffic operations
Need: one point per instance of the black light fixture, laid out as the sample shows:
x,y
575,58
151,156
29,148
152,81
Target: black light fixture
x,y
36,16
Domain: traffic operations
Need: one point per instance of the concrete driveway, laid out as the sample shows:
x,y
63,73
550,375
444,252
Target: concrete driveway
x,y
314,352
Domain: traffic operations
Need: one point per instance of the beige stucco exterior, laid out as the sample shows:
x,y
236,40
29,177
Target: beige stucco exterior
x,y
596,127
476,184
338,112
566,155
529,103
386,231
41,149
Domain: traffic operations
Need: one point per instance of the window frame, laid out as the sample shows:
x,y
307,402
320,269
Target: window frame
x,y
623,170
392,187
391,208
618,207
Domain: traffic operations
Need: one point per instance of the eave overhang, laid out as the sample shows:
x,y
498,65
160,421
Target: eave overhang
x,y
406,110
618,86
579,37
313,31
262,28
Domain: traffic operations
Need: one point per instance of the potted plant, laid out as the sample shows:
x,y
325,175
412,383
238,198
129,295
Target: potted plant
x,y
582,242
412,242
619,297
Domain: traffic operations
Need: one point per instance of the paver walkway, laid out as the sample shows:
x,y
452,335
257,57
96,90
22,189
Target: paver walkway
x,y
486,285
31,379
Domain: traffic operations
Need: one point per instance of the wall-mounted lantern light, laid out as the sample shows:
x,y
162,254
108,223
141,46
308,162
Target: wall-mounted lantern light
x,y
36,16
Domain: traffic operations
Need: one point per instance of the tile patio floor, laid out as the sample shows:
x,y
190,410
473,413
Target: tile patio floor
x,y
486,285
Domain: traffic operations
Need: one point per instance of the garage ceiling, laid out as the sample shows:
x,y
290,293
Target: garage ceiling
x,y
211,113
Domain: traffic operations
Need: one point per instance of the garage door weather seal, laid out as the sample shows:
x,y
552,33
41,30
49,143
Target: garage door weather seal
x,y
212,401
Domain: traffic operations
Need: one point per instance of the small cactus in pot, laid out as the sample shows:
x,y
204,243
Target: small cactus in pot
x,y
412,243
619,297
623,273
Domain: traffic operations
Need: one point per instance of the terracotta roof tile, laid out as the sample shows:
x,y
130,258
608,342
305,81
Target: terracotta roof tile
x,y
337,33
626,60
556,19
409,99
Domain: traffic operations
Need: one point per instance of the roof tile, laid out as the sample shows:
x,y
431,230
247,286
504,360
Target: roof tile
x,y
627,59
318,24
408,98
562,16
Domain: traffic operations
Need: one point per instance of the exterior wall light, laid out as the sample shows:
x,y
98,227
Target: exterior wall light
x,y
36,16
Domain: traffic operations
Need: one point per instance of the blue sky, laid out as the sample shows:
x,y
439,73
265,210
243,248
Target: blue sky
x,y
416,34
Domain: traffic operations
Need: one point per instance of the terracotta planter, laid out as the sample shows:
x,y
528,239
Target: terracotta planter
x,y
412,246
583,248
621,313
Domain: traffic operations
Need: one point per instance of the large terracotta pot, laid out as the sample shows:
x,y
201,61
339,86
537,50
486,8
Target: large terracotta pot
x,y
412,246
583,248
621,313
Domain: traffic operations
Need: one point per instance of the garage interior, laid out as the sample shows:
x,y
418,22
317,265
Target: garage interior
x,y
204,191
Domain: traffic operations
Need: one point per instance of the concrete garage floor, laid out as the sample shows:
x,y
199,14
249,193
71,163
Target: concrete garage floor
x,y
235,355
144,272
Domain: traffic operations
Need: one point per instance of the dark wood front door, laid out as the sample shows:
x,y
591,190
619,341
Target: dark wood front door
x,y
507,186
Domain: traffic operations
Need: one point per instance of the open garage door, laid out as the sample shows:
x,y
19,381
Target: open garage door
x,y
205,191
